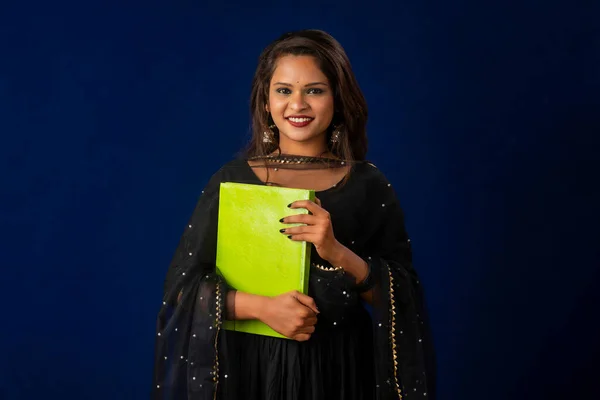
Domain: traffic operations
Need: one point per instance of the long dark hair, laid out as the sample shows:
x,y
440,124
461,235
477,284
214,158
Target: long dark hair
x,y
350,105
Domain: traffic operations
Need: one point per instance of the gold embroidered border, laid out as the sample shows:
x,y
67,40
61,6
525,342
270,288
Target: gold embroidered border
x,y
328,269
393,331
218,312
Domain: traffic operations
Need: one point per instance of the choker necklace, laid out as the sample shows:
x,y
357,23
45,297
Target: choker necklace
x,y
292,161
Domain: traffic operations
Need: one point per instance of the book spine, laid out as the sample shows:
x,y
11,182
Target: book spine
x,y
307,251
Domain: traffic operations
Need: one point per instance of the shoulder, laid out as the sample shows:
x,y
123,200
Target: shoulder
x,y
236,169
370,175
233,167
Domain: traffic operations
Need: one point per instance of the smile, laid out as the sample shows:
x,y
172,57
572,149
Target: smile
x,y
299,121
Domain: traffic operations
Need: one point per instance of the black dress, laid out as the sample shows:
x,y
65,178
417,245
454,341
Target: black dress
x,y
358,352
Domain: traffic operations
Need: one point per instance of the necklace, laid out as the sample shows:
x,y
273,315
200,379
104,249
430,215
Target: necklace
x,y
292,161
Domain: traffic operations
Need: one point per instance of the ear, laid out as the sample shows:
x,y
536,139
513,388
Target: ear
x,y
267,108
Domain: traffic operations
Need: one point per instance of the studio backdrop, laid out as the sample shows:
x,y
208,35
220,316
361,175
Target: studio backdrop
x,y
483,115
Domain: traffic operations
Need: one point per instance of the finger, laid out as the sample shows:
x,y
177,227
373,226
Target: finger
x,y
307,329
318,202
297,230
302,337
300,219
310,321
309,205
307,301
306,237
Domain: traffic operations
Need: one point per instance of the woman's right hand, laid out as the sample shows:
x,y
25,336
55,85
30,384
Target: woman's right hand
x,y
292,314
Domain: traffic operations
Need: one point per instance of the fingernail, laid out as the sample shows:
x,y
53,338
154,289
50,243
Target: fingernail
x,y
282,230
281,220
290,205
289,237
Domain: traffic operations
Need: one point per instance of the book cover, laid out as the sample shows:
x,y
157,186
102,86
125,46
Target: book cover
x,y
252,255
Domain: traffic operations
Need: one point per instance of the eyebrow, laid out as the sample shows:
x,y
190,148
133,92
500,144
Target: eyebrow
x,y
310,84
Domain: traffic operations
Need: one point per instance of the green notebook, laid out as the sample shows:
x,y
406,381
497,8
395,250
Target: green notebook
x,y
252,255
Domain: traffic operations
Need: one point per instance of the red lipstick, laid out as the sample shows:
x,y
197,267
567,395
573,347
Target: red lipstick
x,y
299,120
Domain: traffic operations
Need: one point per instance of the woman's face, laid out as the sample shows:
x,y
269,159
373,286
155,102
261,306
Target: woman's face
x,y
300,102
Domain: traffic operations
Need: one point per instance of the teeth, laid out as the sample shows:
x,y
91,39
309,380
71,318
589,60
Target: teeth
x,y
300,119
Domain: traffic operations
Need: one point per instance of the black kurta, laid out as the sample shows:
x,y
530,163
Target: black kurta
x,y
357,352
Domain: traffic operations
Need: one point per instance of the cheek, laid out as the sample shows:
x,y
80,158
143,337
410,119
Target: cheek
x,y
327,108
276,106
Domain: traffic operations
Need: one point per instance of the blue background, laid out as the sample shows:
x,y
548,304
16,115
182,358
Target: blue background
x,y
483,114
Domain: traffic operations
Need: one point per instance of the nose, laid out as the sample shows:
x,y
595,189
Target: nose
x,y
297,101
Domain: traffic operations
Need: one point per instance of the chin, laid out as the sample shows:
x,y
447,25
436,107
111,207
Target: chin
x,y
302,136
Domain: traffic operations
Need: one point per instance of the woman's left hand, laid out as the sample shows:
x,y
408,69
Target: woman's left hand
x,y
317,230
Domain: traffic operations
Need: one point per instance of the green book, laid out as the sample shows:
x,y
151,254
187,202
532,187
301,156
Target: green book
x,y
252,255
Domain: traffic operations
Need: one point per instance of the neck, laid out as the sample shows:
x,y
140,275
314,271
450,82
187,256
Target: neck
x,y
304,149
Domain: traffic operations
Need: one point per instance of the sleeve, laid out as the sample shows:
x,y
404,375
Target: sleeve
x,y
404,353
186,358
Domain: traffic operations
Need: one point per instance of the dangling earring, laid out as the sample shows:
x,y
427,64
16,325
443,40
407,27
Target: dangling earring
x,y
336,134
268,135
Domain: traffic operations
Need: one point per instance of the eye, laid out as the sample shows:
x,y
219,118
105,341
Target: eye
x,y
315,91
283,91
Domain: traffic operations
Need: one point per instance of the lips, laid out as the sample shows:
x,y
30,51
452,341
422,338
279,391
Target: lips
x,y
299,121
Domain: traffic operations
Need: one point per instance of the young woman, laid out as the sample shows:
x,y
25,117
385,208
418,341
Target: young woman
x,y
362,331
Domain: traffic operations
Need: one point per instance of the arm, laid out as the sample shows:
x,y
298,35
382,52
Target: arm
x,y
243,306
354,266
319,232
292,314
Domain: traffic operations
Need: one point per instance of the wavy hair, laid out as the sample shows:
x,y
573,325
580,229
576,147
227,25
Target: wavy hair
x,y
349,102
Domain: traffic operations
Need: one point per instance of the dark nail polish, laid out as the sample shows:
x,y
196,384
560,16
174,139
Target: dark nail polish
x,y
289,237
282,230
289,205
281,220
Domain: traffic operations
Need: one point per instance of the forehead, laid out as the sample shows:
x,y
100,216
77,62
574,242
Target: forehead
x,y
294,69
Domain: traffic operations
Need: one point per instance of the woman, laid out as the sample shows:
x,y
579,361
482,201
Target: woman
x,y
309,131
